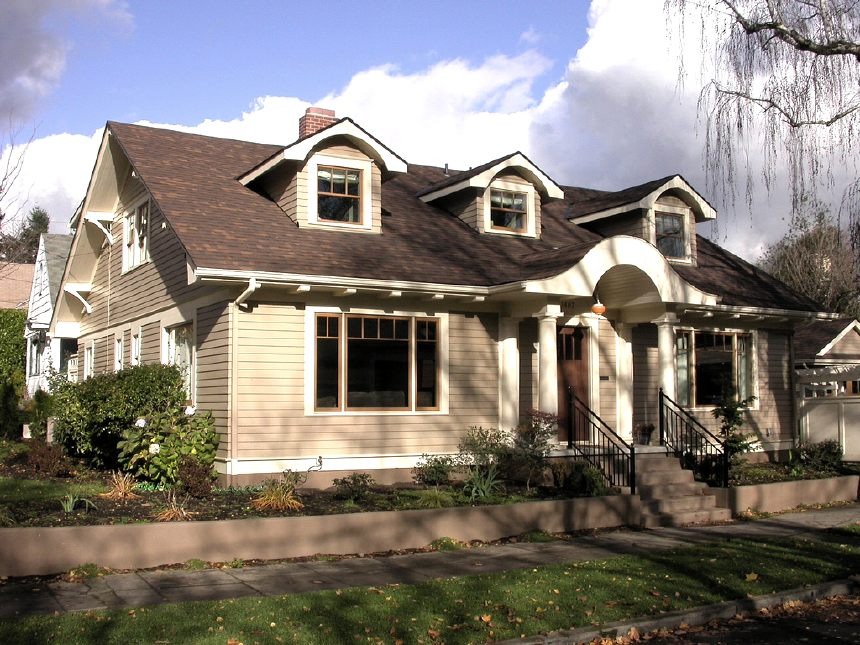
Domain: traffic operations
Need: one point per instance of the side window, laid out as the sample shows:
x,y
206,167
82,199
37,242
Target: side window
x,y
135,249
670,235
180,351
135,349
89,361
117,354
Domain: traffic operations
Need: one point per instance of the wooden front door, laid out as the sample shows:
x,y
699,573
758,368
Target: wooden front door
x,y
572,372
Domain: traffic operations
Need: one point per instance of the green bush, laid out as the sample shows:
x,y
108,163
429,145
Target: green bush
x,y
92,415
41,406
532,443
195,478
480,447
825,456
13,348
729,413
354,487
578,479
153,447
433,470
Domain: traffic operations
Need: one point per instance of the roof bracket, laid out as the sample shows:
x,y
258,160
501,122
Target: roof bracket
x,y
76,290
100,219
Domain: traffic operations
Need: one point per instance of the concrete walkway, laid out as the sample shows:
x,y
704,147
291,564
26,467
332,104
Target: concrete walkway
x,y
145,588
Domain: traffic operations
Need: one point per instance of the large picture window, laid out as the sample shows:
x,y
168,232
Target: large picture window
x,y
376,362
713,366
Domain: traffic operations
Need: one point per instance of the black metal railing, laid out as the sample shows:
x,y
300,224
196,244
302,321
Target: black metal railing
x,y
697,448
591,437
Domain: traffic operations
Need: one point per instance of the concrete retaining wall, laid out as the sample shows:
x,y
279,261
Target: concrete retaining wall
x,y
40,551
782,496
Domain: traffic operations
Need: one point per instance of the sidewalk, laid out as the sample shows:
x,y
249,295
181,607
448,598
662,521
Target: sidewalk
x,y
145,588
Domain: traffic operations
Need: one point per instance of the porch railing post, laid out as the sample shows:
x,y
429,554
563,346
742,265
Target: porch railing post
x,y
662,419
632,468
570,412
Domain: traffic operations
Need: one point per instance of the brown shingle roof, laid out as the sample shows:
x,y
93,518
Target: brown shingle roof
x,y
225,225
810,338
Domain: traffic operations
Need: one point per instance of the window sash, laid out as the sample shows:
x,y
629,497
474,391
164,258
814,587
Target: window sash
x,y
669,230
710,365
136,229
508,210
180,351
339,194
376,363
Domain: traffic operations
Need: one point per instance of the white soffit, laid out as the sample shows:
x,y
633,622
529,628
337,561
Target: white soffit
x,y
300,150
483,179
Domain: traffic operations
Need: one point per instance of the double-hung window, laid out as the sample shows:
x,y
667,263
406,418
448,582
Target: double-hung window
x,y
339,194
117,353
135,349
180,351
136,236
34,360
89,361
366,362
713,366
670,238
508,210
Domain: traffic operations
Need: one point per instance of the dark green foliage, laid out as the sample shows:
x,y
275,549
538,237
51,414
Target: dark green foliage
x,y
12,360
434,470
92,415
821,457
22,247
41,407
730,415
532,443
578,479
48,459
195,477
153,446
355,486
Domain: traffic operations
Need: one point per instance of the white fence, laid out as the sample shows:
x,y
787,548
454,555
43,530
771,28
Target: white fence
x,y
832,418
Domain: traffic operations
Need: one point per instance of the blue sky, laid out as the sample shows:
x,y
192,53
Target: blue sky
x,y
588,89
183,62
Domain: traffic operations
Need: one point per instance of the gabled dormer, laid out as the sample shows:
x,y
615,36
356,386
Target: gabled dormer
x,y
663,212
501,197
331,177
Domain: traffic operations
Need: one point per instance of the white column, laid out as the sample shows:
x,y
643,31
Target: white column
x,y
624,382
548,360
509,373
666,353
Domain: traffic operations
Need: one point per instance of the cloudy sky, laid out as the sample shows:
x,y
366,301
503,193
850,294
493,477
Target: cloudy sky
x,y
588,90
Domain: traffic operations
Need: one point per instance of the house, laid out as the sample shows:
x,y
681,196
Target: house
x,y
327,298
827,364
45,352
15,280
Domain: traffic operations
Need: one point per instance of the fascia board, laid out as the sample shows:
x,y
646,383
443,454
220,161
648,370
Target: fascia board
x,y
853,325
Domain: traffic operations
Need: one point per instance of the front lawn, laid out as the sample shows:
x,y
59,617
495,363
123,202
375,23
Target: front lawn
x,y
474,608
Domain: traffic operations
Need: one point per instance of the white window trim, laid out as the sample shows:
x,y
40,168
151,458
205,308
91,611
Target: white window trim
x,y
126,216
118,349
89,359
310,363
134,356
366,198
686,213
754,385
514,187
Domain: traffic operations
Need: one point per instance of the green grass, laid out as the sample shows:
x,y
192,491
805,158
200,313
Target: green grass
x,y
23,491
474,608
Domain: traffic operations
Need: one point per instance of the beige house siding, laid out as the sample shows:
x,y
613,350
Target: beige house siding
x,y
270,393
213,368
848,347
646,376
118,297
150,340
528,365
608,370
634,224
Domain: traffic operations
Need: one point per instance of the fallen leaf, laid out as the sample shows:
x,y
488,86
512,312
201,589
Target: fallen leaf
x,y
752,577
486,618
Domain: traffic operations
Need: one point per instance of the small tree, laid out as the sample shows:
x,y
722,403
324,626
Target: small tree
x,y
729,412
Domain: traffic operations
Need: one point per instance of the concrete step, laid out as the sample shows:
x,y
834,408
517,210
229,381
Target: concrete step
x,y
654,477
648,463
679,504
660,491
685,518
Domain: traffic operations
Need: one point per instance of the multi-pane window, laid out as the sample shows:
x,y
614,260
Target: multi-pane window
x,y
376,363
339,194
117,353
35,355
508,210
136,235
68,351
670,235
712,366
135,349
180,351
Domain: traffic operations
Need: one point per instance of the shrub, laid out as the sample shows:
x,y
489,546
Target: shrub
x,y
41,406
353,487
153,447
279,494
578,479
174,509
433,470
483,483
91,415
195,478
825,456
729,412
434,498
121,487
481,447
48,459
532,443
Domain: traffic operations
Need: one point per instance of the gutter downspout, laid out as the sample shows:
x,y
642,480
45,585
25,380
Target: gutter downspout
x,y
253,285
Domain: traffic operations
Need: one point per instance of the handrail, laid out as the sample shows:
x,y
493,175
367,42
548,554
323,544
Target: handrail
x,y
697,448
605,450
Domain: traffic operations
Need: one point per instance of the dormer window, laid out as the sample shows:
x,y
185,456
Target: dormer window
x,y
670,238
339,194
508,210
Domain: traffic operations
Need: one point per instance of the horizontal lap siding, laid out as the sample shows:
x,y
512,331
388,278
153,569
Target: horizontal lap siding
x,y
528,365
646,375
118,297
213,367
607,340
270,387
150,340
848,347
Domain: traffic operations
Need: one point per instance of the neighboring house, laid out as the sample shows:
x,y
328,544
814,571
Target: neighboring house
x,y
827,361
15,281
327,298
44,351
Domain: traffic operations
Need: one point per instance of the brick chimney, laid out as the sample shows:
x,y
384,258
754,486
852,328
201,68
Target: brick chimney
x,y
314,120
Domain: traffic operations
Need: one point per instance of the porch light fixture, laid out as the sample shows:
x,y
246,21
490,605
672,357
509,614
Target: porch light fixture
x,y
598,308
